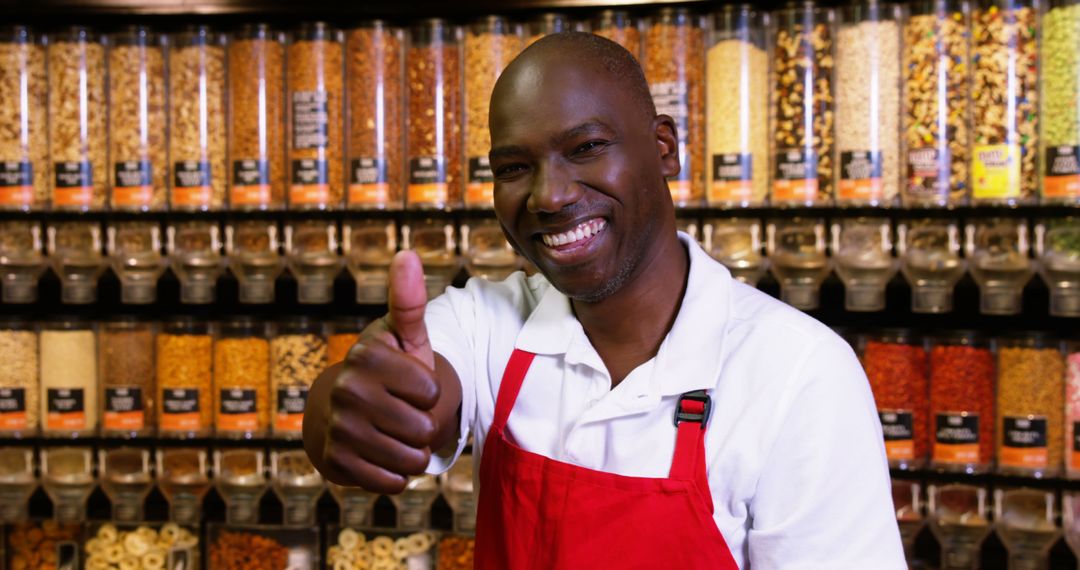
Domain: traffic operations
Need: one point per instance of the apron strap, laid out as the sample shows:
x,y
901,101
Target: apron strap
x,y
691,416
513,377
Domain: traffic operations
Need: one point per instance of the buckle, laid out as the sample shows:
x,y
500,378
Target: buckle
x,y
701,417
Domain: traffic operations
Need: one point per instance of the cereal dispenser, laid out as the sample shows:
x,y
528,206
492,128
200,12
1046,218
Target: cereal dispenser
x,y
17,482
907,502
126,480
485,249
862,254
433,240
457,488
958,519
356,505
797,251
184,480
75,253
311,248
369,246
736,242
1057,245
297,484
1024,521
253,256
21,260
414,503
135,254
67,474
195,258
997,252
930,260
240,479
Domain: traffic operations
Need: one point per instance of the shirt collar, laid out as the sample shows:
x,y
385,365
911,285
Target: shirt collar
x,y
690,355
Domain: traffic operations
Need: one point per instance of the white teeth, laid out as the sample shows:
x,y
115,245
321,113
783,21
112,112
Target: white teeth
x,y
583,231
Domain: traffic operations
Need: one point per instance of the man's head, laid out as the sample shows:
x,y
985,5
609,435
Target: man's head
x,y
577,148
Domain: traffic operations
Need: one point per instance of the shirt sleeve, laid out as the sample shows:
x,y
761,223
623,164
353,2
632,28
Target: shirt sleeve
x,y
451,322
824,500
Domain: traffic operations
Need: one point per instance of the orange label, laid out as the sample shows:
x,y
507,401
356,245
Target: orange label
x,y
73,196
191,195
1034,457
122,421
13,421
1024,442
731,191
289,423
480,193
377,193
900,449
434,193
865,189
180,422
309,194
255,195
290,409
795,190
1061,186
12,409
16,195
1062,175
74,421
66,409
132,195
962,453
680,191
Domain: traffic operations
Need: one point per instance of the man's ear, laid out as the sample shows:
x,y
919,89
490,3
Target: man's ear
x,y
667,142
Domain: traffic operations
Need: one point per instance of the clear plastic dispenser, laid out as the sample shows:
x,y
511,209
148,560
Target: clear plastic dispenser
x,y
797,251
17,483
908,504
297,484
958,519
458,490
253,252
930,260
195,256
135,255
75,250
1025,522
184,480
313,258
22,260
862,254
433,241
997,252
737,243
1057,245
240,479
414,503
67,474
356,504
126,480
487,253
369,246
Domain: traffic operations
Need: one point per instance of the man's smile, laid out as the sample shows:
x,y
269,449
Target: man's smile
x,y
572,245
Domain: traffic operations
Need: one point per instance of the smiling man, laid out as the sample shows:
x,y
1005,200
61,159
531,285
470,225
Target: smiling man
x,y
632,406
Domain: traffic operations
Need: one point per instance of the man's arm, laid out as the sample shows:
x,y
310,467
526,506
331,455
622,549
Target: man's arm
x,y
823,499
375,419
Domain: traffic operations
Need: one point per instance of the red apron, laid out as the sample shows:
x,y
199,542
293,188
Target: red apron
x,y
537,513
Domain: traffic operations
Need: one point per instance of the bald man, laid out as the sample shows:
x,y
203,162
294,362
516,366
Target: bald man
x,y
632,405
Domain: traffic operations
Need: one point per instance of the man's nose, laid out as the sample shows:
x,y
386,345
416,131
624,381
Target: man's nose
x,y
552,189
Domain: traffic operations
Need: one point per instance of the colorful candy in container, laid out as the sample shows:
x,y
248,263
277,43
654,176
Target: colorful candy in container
x,y
896,367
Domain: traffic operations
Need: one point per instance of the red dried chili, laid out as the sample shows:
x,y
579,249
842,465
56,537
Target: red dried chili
x,y
962,403
896,368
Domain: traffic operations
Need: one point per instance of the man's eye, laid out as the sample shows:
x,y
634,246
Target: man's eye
x,y
509,170
589,146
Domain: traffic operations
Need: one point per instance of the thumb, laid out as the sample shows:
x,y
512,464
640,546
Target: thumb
x,y
408,299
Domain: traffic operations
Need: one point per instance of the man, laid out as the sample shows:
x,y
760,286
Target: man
x,y
632,406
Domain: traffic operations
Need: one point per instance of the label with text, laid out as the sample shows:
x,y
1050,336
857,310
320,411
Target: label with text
x,y
1062,179
427,181
481,188
311,119
12,409
1074,455
995,171
929,169
66,409
860,176
74,184
290,409
897,425
133,184
191,183
16,183
124,409
956,438
250,183
368,182
310,182
237,410
1024,442
732,178
796,178
180,409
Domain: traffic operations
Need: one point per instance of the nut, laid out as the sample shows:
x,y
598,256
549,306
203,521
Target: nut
x,y
23,139
77,124
197,126
137,127
486,55
256,91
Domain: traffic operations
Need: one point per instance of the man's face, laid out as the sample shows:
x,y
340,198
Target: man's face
x,y
579,175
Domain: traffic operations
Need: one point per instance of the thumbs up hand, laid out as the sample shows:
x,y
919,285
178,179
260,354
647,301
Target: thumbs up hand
x,y
372,419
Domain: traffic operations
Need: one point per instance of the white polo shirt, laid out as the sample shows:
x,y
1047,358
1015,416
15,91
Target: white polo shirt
x,y
796,462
